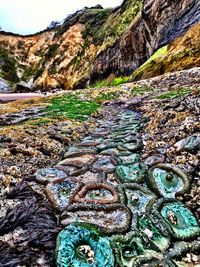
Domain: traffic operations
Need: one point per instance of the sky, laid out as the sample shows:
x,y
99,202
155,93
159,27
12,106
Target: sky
x,y
30,16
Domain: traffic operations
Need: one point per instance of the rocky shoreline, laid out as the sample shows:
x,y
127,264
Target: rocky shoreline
x,y
135,161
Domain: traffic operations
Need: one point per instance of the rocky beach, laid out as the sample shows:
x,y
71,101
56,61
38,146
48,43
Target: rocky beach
x,y
100,139
131,171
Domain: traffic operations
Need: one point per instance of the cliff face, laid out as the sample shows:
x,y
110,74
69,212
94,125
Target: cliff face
x,y
160,23
94,43
63,56
182,53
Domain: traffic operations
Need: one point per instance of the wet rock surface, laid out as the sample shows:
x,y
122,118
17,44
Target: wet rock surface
x,y
123,191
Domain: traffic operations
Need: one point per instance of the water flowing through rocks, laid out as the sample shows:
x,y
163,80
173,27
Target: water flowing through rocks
x,y
102,205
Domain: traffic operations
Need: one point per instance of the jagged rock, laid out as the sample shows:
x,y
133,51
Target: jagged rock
x,y
4,86
24,87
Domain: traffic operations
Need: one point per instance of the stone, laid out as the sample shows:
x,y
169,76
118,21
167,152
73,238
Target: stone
x,y
4,86
103,164
48,175
131,173
110,219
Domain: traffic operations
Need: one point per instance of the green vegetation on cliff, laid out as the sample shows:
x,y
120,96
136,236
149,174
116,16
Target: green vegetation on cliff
x,y
182,53
8,66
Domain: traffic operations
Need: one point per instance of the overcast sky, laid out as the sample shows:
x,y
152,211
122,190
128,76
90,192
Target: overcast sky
x,y
30,16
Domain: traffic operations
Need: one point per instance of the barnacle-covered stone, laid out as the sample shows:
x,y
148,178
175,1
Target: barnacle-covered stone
x,y
131,173
132,146
119,136
90,177
103,164
100,140
110,218
115,152
79,151
80,161
154,160
76,169
190,144
59,192
152,236
106,145
125,128
88,143
48,175
129,251
126,160
95,193
179,220
167,180
83,246
100,133
137,200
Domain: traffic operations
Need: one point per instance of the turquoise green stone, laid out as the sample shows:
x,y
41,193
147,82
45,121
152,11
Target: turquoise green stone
x,y
167,187
180,220
167,180
73,244
131,173
154,238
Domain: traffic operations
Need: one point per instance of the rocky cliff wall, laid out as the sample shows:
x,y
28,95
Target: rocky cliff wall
x,y
160,23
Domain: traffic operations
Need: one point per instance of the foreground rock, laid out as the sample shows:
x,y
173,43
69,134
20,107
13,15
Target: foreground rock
x,y
128,188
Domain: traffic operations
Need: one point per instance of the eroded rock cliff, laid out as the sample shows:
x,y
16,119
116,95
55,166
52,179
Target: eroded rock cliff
x,y
160,23
94,43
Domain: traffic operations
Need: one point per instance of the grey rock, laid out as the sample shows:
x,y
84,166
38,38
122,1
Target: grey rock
x,y
4,86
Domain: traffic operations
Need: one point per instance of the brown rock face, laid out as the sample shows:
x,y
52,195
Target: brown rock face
x,y
161,22
94,43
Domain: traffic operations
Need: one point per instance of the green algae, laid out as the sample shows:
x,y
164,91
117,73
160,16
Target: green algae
x,y
72,107
175,93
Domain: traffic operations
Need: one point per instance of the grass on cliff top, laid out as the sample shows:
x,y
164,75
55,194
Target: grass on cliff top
x,y
149,64
159,53
114,82
71,107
